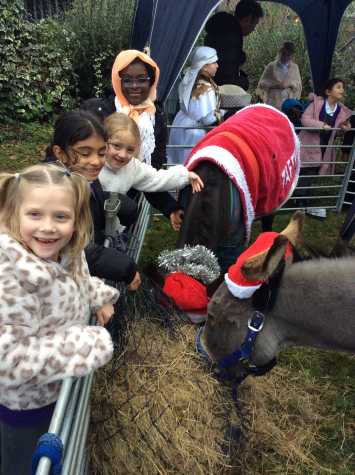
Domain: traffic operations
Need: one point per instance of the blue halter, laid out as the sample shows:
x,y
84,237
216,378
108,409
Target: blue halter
x,y
255,325
243,355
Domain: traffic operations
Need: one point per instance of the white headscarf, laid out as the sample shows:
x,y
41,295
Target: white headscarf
x,y
201,56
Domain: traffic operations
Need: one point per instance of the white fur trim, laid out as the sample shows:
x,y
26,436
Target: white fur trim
x,y
229,163
240,291
296,156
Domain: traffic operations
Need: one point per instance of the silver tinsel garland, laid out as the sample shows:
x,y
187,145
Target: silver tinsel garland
x,y
197,261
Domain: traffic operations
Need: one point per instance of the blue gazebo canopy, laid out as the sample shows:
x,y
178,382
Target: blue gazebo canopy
x,y
172,27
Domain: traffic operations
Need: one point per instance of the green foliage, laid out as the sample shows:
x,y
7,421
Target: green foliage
x,y
282,24
101,30
36,78
22,144
343,65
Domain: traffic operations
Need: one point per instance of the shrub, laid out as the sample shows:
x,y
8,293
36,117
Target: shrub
x,y
36,78
282,24
343,65
101,30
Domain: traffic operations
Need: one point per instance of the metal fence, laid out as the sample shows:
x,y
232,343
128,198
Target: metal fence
x,y
324,191
71,416
39,9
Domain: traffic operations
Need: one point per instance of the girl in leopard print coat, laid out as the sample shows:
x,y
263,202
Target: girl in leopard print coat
x,y
46,296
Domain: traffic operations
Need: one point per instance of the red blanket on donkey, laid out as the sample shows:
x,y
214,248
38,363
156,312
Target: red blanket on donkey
x,y
259,150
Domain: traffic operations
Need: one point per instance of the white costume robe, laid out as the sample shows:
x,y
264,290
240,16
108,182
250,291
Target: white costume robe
x,y
200,112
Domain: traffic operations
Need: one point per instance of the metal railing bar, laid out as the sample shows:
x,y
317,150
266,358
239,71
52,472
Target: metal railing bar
x,y
305,207
313,197
81,458
347,174
45,463
65,432
79,417
317,187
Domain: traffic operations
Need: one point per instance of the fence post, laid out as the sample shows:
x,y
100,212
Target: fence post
x,y
348,170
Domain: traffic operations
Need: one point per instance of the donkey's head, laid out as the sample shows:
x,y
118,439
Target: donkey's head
x,y
227,323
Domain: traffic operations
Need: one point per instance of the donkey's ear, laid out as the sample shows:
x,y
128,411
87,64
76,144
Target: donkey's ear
x,y
294,229
262,266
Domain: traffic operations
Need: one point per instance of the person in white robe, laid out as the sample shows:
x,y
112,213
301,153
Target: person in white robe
x,y
199,104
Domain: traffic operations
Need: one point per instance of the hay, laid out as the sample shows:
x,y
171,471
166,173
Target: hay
x,y
162,412
285,413
157,409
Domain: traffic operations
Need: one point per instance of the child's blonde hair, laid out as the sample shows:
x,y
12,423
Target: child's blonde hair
x,y
118,122
13,188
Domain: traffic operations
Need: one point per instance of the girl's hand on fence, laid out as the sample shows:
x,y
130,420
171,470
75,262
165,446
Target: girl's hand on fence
x,y
105,313
176,218
195,182
136,282
326,127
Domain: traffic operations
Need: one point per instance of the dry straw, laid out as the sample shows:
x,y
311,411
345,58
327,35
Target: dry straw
x,y
158,410
164,413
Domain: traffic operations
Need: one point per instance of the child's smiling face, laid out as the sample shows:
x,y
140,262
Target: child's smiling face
x,y
336,92
47,219
86,157
122,147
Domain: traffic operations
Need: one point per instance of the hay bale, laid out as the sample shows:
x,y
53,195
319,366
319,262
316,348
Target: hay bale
x,y
158,411
285,417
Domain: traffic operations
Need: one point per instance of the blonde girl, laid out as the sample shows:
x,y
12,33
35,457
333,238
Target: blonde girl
x,y
47,296
124,171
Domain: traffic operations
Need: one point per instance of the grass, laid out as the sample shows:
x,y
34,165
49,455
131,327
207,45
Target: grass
x,y
308,402
22,145
303,413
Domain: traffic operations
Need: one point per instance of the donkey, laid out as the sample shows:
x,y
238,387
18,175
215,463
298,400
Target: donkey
x,y
250,166
312,305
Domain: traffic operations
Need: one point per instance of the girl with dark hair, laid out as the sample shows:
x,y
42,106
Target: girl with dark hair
x,y
326,113
281,78
79,143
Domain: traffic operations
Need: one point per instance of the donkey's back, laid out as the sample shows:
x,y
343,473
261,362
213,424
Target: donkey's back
x,y
319,296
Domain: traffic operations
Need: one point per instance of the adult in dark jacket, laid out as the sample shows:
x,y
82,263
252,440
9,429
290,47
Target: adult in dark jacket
x,y
225,34
134,78
79,143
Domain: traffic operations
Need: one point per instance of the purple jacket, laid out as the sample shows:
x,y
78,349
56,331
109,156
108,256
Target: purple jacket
x,y
310,118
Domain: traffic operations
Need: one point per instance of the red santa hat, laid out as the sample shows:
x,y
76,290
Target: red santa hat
x,y
189,295
237,283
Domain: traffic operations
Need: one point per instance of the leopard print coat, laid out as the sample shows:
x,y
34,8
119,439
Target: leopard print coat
x,y
44,336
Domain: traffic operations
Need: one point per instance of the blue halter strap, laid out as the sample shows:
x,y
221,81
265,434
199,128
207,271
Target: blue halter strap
x,y
255,325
